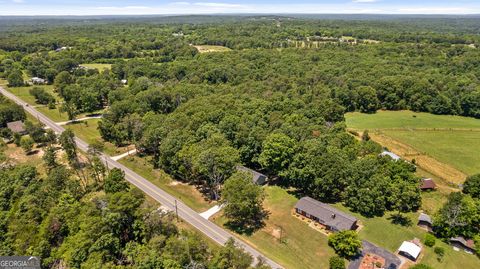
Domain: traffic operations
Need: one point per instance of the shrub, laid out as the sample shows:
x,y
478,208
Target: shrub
x,y
337,262
345,243
440,252
429,240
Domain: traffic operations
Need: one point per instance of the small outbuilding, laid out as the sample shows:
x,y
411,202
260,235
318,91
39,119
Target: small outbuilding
x,y
17,127
392,155
257,177
461,243
410,250
332,218
428,184
37,81
425,221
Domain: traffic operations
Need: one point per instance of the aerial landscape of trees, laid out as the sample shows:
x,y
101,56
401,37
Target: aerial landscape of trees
x,y
267,104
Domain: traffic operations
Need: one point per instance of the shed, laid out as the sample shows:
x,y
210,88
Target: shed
x,y
257,178
425,221
392,155
16,127
428,184
410,250
466,244
332,218
37,80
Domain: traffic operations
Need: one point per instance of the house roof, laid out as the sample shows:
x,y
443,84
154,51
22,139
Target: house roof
x,y
410,248
465,242
16,126
428,183
392,155
330,216
425,218
256,176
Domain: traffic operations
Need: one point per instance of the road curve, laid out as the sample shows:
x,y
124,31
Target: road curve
x,y
207,227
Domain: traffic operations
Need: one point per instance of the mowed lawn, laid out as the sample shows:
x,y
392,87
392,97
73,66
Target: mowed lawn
x,y
87,130
302,246
24,93
407,119
453,140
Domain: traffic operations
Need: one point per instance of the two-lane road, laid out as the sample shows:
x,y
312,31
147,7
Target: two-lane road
x,y
207,227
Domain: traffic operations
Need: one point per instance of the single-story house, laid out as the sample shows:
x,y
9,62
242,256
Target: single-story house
x,y
17,127
332,218
392,155
62,48
410,250
466,244
428,184
257,178
37,81
425,221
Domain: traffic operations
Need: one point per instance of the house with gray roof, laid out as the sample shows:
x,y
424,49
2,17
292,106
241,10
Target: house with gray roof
x,y
257,178
328,216
17,127
425,221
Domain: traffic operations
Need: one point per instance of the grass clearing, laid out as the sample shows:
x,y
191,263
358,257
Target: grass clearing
x,y
302,246
184,192
407,120
24,93
99,67
87,130
445,146
211,48
457,148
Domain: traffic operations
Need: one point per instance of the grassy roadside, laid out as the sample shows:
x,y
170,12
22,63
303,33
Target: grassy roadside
x,y
184,192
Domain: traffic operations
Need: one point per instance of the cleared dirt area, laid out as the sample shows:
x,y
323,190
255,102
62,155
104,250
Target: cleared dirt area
x,y
211,48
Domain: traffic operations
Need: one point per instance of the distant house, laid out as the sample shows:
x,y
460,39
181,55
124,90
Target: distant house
x,y
17,127
124,81
466,244
392,155
62,49
37,81
410,250
257,178
425,221
332,218
428,184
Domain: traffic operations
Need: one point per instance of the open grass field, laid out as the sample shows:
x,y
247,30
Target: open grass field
x,y
100,67
87,130
211,48
445,146
184,192
406,120
24,94
302,246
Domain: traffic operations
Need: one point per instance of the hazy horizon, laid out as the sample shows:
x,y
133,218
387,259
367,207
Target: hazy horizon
x,y
151,7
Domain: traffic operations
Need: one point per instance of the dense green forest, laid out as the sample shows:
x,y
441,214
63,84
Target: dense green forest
x,y
78,215
269,104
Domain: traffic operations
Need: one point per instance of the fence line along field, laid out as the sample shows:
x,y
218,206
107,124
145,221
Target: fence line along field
x,y
443,145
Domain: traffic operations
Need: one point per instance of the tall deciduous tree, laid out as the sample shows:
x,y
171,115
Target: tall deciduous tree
x,y
345,243
243,202
277,152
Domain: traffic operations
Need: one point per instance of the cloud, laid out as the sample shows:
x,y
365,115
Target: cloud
x,y
18,1
434,10
364,1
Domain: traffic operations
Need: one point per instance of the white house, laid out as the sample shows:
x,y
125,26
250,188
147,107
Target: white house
x,y
392,155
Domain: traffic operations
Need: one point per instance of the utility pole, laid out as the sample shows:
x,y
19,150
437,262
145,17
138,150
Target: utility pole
x,y
176,209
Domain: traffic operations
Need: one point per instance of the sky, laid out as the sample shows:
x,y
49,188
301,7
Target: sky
x,y
169,7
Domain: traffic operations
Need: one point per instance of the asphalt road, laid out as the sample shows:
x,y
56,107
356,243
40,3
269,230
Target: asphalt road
x,y
207,227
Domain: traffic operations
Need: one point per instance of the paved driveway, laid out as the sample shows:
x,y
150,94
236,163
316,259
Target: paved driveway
x,y
391,261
